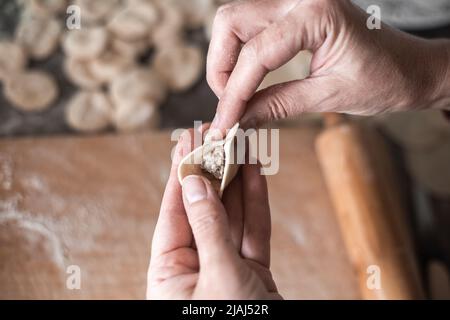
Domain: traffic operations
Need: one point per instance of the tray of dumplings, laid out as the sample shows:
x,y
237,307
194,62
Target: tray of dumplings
x,y
106,65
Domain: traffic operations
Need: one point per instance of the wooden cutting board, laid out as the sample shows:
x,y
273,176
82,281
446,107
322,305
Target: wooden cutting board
x,y
94,201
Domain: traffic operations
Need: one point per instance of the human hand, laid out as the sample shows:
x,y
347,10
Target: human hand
x,y
231,254
354,70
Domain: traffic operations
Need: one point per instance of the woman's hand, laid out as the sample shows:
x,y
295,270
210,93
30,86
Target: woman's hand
x,y
203,249
354,70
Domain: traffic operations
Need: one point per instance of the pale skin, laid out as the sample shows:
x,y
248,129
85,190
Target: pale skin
x,y
203,249
354,70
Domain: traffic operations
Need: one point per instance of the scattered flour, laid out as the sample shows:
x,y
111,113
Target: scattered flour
x,y
25,222
6,172
34,182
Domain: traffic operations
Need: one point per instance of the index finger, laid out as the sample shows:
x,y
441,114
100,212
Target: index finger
x,y
265,52
234,24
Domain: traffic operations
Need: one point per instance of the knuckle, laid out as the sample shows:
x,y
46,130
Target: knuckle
x,y
224,11
250,50
255,52
169,260
277,105
205,219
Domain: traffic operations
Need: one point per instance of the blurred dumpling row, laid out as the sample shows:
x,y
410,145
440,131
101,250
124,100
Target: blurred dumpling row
x,y
107,57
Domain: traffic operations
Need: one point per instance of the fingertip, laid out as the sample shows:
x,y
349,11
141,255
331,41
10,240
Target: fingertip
x,y
183,147
215,133
272,103
249,121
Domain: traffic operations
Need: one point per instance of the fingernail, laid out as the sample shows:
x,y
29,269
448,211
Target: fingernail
x,y
194,189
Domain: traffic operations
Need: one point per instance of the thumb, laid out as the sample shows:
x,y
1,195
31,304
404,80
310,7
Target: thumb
x,y
208,220
289,99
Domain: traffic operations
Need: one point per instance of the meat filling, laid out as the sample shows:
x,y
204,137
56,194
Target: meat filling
x,y
214,161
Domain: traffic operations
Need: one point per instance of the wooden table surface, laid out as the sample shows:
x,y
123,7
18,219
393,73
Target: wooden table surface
x,y
94,201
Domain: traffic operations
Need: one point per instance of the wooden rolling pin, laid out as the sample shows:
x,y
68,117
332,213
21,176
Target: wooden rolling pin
x,y
361,180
